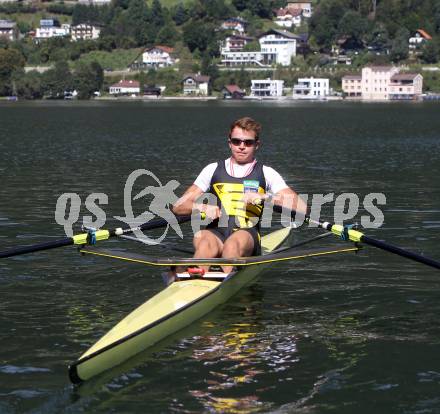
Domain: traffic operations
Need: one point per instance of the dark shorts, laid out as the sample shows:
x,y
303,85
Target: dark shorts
x,y
223,234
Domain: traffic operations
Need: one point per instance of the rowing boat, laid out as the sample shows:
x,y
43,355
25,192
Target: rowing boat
x,y
188,299
175,307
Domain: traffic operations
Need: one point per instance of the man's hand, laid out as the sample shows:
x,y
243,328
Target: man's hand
x,y
254,198
211,212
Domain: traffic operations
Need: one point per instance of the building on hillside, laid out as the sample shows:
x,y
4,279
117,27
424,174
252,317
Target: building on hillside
x,y
236,24
376,81
235,43
288,17
84,31
311,88
9,30
352,86
278,47
406,86
304,6
341,60
232,92
417,40
51,28
196,84
154,57
266,88
125,87
242,59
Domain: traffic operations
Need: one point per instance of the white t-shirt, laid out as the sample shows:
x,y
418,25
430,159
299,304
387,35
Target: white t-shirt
x,y
274,181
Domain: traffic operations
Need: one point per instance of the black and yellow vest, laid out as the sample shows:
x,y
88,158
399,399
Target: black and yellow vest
x,y
229,192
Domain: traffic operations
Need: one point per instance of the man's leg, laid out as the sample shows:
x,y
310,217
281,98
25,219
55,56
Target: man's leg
x,y
239,244
207,244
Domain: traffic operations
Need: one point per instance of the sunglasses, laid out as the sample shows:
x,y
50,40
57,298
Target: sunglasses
x,y
247,142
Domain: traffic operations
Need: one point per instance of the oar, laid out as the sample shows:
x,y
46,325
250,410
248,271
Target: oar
x,y
359,237
83,238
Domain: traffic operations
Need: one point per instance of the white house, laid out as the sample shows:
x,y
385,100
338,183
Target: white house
x,y
236,24
266,88
51,28
9,30
311,88
84,31
196,84
278,47
288,18
125,87
235,43
154,57
242,58
417,40
406,86
376,80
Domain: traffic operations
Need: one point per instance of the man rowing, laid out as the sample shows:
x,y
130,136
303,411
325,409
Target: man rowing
x,y
240,184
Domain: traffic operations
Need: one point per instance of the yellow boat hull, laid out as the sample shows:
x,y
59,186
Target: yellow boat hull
x,y
177,306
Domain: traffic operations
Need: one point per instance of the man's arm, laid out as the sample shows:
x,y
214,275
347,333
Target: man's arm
x,y
288,198
186,204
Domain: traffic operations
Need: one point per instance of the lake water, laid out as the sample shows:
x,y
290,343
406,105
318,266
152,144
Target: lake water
x,y
343,334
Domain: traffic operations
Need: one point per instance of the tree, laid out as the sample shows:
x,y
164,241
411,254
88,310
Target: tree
x,y
58,80
186,60
180,15
28,85
157,15
88,79
353,25
167,35
378,37
137,18
430,52
399,47
11,60
216,9
196,35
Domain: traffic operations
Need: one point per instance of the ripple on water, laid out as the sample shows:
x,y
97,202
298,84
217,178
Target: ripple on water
x,y
12,369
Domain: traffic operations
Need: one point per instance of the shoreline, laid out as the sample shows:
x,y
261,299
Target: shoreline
x,y
283,99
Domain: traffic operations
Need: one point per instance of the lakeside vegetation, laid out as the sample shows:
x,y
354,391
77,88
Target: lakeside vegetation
x,y
369,31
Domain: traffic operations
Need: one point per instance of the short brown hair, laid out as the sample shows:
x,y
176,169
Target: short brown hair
x,y
248,124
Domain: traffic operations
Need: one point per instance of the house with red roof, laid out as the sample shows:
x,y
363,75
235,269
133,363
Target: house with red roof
x,y
417,40
233,92
125,87
288,17
304,6
153,58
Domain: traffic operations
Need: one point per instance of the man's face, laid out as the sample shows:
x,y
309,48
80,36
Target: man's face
x,y
244,152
